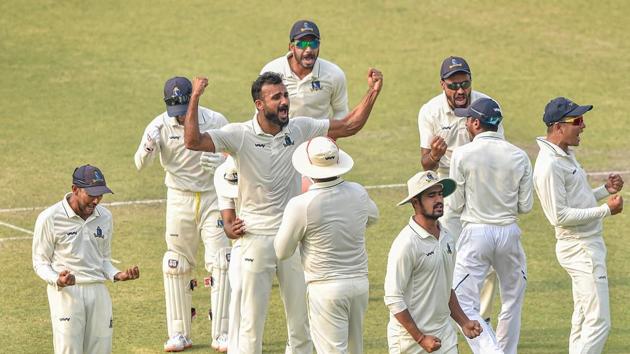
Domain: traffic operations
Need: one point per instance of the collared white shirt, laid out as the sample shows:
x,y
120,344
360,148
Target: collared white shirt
x,y
182,166
494,181
436,117
322,94
64,241
419,278
266,177
569,202
328,222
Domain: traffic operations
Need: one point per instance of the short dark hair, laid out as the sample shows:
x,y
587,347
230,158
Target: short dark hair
x,y
267,78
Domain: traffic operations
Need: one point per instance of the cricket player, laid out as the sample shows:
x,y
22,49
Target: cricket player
x,y
329,222
571,207
72,246
262,148
317,87
419,276
441,131
191,207
226,184
494,186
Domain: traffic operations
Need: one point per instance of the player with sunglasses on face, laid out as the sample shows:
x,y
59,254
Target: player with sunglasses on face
x,y
441,131
570,205
317,87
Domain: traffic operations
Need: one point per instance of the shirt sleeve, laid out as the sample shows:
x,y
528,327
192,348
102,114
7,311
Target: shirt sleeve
x,y
312,127
225,203
525,189
142,157
457,199
339,101
400,263
554,200
425,127
372,209
291,231
600,192
228,138
43,249
108,268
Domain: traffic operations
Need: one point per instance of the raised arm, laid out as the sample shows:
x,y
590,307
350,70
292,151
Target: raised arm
x,y
356,119
193,138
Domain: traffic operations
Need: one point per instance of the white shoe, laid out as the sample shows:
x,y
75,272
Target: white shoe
x,y
177,343
220,343
188,344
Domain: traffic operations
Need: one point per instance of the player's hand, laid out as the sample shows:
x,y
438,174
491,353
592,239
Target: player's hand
x,y
375,79
430,343
65,279
472,329
210,161
236,229
438,148
614,184
615,203
130,274
199,85
153,139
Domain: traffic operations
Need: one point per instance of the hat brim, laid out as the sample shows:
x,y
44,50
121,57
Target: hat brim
x,y
578,111
304,34
302,165
177,110
222,186
96,191
448,187
451,73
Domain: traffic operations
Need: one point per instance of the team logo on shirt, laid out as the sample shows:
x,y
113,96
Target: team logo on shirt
x,y
447,127
173,263
259,145
71,233
64,319
219,223
111,322
430,253
448,249
316,85
287,141
174,137
99,233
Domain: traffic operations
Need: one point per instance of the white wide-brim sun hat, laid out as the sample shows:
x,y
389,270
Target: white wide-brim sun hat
x,y
320,157
226,179
422,181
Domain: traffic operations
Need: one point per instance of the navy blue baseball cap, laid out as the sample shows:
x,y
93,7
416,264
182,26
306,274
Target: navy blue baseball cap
x,y
561,107
486,110
452,65
177,91
91,179
303,28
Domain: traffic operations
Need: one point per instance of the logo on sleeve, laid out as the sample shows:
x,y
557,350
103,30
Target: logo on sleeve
x,y
173,263
99,233
219,224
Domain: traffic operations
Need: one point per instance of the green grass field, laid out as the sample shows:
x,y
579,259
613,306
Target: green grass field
x,y
81,79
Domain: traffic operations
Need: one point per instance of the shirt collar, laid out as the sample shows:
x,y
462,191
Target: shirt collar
x,y
543,143
488,135
419,230
321,185
70,212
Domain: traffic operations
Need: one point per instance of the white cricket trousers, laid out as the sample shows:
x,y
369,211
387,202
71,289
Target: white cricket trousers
x,y
336,309
234,274
404,343
259,264
479,247
81,317
585,261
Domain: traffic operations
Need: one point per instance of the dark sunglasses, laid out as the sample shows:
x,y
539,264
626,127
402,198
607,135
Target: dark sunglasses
x,y
175,100
573,121
314,44
456,85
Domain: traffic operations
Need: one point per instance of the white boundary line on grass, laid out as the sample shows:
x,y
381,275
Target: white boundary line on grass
x,y
11,226
159,201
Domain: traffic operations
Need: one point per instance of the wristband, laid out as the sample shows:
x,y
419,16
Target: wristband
x,y
433,159
420,339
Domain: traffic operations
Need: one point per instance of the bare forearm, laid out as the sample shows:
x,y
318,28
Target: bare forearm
x,y
405,319
427,160
457,313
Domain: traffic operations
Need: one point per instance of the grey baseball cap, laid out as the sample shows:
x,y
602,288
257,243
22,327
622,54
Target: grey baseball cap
x,y
91,179
452,65
177,91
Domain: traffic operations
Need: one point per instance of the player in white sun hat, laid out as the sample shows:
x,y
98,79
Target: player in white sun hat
x,y
328,223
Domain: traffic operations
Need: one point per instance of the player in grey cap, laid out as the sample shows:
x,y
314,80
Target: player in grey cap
x,y
72,247
570,205
494,186
441,131
191,209
328,222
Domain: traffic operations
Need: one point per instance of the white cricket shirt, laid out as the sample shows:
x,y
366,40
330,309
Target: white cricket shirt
x,y
266,177
436,117
182,166
64,241
567,199
328,222
419,278
322,94
494,181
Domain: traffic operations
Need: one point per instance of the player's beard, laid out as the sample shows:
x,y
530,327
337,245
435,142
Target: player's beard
x,y
434,215
274,118
452,100
306,59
